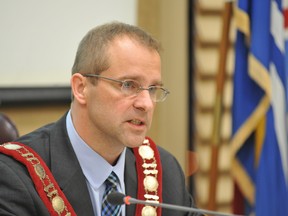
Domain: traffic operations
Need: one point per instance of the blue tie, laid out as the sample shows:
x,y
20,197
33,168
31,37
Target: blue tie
x,y
111,186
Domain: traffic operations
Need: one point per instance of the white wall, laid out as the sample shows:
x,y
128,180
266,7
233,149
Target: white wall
x,y
38,39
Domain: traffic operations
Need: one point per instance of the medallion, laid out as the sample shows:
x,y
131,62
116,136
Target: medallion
x,y
150,183
58,204
146,152
148,211
11,146
40,171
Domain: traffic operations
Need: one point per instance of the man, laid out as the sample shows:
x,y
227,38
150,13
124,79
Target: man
x,y
116,83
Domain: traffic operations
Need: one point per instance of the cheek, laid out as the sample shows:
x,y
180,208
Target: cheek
x,y
106,105
99,112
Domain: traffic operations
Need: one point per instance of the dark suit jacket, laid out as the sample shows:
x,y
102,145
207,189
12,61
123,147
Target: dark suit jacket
x,y
19,197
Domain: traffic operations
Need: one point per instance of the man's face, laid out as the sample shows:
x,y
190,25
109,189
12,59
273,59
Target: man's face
x,y
115,118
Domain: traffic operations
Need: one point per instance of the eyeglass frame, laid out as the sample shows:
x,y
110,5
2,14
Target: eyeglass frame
x,y
138,87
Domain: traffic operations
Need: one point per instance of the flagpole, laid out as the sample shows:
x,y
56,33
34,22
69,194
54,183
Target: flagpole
x,y
218,107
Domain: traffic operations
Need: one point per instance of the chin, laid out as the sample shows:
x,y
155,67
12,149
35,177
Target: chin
x,y
135,141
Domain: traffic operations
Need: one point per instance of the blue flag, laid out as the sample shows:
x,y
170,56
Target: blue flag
x,y
259,112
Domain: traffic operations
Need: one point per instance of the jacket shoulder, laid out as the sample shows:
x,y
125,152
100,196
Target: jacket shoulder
x,y
17,187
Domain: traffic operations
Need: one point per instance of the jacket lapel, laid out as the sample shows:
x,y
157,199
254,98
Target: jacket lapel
x,y
130,176
67,171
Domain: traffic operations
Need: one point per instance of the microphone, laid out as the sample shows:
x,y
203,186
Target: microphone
x,y
116,198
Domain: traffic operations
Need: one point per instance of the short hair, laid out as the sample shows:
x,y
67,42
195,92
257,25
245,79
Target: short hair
x,y
91,56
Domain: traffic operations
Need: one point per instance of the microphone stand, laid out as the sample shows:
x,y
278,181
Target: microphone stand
x,y
175,207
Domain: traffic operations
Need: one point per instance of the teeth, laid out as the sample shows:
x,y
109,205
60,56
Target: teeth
x,y
137,122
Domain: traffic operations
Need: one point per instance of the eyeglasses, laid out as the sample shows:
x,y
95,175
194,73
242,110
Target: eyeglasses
x,y
131,87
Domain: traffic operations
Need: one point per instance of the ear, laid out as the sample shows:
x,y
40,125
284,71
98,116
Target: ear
x,y
78,86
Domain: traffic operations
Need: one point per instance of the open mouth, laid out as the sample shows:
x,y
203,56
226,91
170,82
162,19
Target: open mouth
x,y
136,122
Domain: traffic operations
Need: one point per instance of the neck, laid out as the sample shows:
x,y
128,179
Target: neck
x,y
107,148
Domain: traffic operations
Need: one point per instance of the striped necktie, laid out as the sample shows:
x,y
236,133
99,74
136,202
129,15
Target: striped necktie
x,y
111,186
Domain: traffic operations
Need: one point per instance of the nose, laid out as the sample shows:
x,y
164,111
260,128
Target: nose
x,y
143,101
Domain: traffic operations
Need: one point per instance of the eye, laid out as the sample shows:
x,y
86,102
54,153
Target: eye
x,y
129,85
153,89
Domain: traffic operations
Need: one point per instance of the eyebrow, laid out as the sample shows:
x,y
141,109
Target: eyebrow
x,y
137,78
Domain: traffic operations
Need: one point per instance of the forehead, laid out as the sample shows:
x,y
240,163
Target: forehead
x,y
129,50
130,59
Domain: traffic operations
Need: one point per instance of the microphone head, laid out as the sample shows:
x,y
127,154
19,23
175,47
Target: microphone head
x,y
116,198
